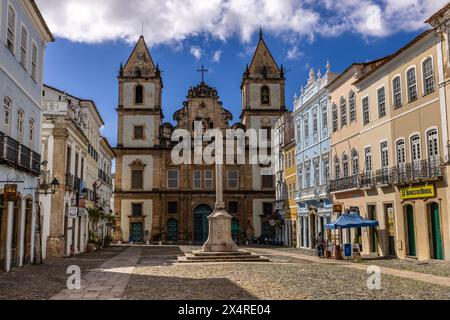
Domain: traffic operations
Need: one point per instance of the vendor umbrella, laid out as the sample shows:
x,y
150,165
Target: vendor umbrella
x,y
349,221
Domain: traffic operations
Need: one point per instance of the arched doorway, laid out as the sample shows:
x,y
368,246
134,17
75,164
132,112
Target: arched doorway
x,y
172,230
436,234
235,229
410,231
201,225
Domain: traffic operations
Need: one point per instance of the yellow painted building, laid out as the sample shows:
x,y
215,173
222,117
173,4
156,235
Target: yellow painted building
x,y
290,180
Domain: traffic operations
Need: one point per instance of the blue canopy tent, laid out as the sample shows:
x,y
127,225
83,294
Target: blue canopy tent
x,y
349,221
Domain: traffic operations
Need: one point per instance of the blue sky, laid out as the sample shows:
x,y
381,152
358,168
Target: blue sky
x,y
86,56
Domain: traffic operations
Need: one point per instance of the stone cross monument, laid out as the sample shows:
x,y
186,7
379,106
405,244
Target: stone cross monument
x,y
220,238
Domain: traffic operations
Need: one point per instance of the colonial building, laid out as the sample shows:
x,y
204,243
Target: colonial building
x,y
159,200
286,179
390,155
76,155
24,36
312,119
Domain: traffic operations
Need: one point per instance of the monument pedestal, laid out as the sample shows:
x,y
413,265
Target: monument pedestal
x,y
220,238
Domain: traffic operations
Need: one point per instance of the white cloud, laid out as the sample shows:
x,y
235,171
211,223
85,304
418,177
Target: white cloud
x,y
172,21
217,55
293,53
197,52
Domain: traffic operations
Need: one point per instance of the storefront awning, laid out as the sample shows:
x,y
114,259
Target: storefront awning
x,y
349,221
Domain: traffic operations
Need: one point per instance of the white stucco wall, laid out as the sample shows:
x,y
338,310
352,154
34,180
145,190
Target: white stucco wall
x,y
147,160
255,96
126,212
149,123
149,96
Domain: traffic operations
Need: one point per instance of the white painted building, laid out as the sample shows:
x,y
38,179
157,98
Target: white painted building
x,y
24,36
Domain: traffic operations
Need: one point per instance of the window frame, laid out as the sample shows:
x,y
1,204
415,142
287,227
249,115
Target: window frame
x,y
343,112
384,153
366,110
413,142
236,179
425,78
11,46
410,85
400,147
143,132
352,106
172,179
208,180
23,57
263,102
139,85
435,142
335,118
196,179
382,106
397,94
7,109
34,61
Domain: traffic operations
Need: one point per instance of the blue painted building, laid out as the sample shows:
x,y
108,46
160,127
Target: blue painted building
x,y
23,38
312,121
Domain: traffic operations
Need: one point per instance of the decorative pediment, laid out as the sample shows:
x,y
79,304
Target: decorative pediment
x,y
137,164
202,91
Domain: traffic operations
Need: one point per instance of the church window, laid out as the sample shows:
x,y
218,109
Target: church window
x,y
137,209
172,179
139,132
265,95
139,95
233,179
233,207
172,207
197,180
267,182
137,178
209,183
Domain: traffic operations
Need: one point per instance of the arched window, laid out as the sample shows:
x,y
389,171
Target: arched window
x,y
397,91
265,95
139,95
337,168
401,152
352,106
412,84
433,144
416,151
343,106
345,168
11,29
428,76
355,162
335,118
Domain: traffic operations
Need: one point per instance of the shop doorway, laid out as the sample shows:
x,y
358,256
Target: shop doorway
x,y
436,234
390,229
372,212
410,231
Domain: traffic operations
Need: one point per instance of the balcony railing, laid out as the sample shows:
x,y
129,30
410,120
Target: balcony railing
x,y
384,177
25,157
346,183
432,169
2,145
36,163
367,180
12,150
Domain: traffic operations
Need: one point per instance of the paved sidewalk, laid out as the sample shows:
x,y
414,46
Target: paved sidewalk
x,y
108,282
428,278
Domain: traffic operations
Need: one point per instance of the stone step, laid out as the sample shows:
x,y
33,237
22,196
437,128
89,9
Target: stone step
x,y
193,257
222,259
239,253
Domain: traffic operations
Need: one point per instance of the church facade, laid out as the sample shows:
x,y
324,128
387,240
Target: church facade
x,y
158,200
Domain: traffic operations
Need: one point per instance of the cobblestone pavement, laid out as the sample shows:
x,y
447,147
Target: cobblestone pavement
x,y
137,273
41,282
284,278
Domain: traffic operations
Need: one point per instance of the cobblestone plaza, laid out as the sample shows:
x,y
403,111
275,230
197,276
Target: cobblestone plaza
x,y
152,273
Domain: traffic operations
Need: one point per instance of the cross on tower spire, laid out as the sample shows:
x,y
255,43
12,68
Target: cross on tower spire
x,y
203,71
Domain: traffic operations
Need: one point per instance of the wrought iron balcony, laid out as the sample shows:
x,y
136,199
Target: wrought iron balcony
x,y
384,177
2,146
419,171
343,184
36,163
25,157
367,180
12,150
